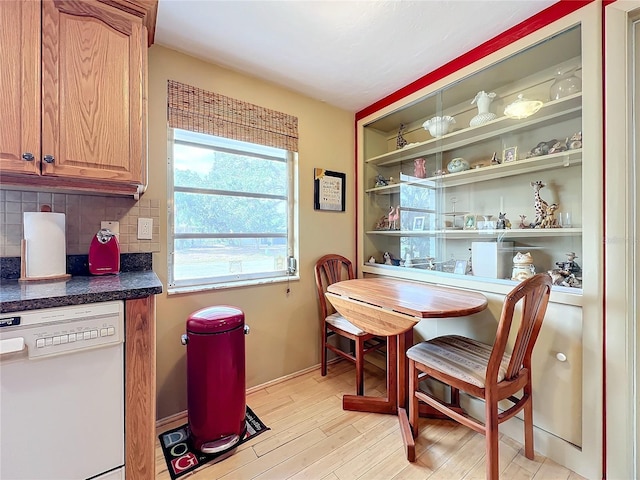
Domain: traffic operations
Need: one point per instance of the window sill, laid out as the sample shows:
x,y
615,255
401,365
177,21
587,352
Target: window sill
x,y
223,286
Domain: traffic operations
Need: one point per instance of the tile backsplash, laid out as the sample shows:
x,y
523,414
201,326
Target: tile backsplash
x,y
83,214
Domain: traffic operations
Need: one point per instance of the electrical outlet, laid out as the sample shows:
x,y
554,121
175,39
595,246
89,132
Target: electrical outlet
x,y
145,228
113,226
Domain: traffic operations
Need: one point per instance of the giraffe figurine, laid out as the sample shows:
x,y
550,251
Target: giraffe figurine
x,y
539,204
400,142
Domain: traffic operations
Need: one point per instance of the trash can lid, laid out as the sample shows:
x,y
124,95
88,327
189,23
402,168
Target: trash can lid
x,y
220,318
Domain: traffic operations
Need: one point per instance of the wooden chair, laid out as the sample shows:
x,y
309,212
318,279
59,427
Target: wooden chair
x,y
331,269
485,371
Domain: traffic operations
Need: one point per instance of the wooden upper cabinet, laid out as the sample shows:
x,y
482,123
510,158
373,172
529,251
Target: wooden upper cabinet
x,y
92,92
76,99
20,87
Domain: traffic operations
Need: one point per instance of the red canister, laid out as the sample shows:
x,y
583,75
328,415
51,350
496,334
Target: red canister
x,y
216,392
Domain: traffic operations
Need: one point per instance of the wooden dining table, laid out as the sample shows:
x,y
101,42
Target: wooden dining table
x,y
391,307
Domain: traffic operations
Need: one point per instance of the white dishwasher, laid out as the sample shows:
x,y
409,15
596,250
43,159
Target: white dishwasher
x,y
62,393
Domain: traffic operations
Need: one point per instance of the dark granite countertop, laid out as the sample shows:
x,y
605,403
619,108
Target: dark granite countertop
x,y
18,296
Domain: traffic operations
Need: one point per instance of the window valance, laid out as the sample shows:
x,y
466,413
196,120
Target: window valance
x,y
197,110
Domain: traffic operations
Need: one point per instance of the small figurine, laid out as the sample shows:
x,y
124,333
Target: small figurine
x,y
390,259
563,278
407,260
569,265
503,221
418,168
523,222
560,146
549,220
440,172
494,159
523,267
431,263
400,141
575,141
394,218
372,259
380,181
383,223
541,148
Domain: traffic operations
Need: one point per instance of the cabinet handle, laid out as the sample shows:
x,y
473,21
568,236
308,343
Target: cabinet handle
x,y
561,357
49,158
28,156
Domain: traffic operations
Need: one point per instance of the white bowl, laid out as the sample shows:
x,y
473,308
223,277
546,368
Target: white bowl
x,y
439,126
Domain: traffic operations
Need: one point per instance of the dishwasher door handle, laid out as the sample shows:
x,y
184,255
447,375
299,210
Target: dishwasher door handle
x,y
11,345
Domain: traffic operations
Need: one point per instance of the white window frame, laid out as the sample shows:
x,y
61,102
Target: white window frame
x,y
290,272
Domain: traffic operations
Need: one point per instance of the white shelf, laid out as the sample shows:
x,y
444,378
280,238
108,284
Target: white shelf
x,y
395,187
565,159
529,165
567,106
492,233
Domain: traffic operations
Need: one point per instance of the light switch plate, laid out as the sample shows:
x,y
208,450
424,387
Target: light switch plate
x,y
145,228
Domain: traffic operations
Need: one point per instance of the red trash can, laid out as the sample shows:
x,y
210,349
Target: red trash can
x,y
216,392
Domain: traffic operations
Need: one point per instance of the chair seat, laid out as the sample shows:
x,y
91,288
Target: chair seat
x,y
342,323
459,357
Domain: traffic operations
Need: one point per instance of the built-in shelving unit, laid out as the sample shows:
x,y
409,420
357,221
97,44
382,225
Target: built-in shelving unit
x,y
448,228
442,215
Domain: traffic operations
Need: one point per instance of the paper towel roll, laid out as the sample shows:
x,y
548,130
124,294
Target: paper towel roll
x,y
46,248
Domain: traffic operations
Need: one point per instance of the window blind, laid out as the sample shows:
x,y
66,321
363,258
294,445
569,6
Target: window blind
x,y
197,110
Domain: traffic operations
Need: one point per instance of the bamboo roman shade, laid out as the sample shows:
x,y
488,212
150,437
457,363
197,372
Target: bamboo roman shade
x,y
197,110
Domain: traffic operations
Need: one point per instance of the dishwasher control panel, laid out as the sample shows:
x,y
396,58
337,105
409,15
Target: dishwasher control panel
x,y
59,330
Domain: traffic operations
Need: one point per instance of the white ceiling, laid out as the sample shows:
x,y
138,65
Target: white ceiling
x,y
347,53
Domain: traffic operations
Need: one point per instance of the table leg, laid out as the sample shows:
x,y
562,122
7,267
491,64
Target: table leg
x,y
388,404
405,340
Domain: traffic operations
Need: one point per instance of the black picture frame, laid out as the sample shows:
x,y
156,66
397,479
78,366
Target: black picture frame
x,y
329,190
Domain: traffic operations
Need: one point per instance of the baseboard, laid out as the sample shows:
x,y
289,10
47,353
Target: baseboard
x,y
182,416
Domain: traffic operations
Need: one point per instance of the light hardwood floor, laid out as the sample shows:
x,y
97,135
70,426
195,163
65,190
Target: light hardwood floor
x,y
311,437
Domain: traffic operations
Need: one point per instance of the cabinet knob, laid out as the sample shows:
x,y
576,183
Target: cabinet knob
x,y
561,357
28,156
49,158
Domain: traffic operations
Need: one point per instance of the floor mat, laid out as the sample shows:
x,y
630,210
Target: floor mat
x,y
182,458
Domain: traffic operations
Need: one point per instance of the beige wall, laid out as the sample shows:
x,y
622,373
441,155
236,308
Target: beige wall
x,y
284,334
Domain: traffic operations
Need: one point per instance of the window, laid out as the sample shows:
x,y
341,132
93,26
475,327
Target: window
x,y
232,218
232,180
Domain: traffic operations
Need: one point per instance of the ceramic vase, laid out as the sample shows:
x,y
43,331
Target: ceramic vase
x,y
483,101
439,126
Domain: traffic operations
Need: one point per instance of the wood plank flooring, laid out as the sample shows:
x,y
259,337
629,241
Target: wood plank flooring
x,y
311,437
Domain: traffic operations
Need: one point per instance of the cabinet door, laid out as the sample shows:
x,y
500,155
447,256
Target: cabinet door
x,y
19,89
92,82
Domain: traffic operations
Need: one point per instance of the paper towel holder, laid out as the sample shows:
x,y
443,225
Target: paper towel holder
x,y
23,261
23,268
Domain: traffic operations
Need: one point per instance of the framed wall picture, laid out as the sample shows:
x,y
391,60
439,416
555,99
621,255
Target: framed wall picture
x,y
418,223
510,154
328,190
